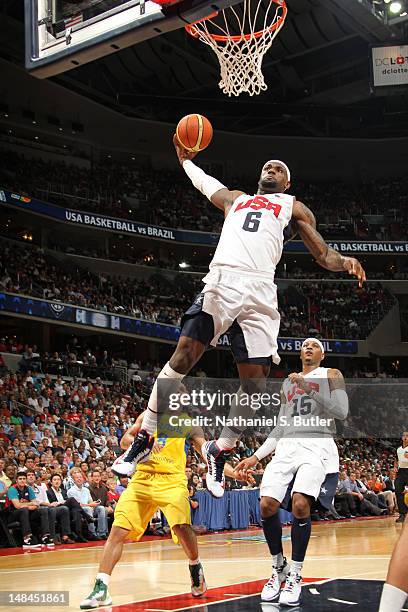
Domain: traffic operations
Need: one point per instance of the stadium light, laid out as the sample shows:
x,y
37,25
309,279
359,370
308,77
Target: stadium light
x,y
395,8
183,264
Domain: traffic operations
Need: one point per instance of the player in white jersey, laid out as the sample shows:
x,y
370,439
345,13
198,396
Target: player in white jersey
x,y
239,296
305,465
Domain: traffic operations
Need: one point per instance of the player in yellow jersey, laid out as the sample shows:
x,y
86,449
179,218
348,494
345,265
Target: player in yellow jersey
x,y
161,483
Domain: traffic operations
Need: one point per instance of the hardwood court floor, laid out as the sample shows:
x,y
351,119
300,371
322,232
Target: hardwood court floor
x,y
357,550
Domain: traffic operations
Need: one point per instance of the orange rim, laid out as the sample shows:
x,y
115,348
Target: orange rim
x,y
193,31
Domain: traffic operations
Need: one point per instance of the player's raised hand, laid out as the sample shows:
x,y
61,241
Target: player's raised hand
x,y
354,268
182,153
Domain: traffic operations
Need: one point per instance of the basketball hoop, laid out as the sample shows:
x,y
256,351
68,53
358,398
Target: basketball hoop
x,y
240,37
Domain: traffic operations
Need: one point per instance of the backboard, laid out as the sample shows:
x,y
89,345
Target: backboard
x,y
63,34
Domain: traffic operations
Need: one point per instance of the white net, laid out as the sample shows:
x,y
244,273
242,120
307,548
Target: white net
x,y
240,37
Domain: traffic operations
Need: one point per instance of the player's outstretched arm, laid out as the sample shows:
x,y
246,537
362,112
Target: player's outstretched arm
x,y
129,435
242,476
268,447
211,187
325,256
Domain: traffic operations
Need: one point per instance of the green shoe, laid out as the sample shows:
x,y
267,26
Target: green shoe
x,y
98,597
198,585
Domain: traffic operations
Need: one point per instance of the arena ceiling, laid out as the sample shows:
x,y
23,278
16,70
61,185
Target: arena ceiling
x,y
318,76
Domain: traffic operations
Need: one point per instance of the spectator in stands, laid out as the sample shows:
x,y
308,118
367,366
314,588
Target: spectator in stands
x,y
57,513
363,505
367,494
25,509
10,472
85,471
389,481
346,496
21,459
99,491
376,484
113,495
82,452
93,508
81,438
3,477
56,448
11,455
123,483
57,496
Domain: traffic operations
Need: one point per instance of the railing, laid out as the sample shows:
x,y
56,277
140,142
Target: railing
x,y
77,430
84,195
21,408
77,369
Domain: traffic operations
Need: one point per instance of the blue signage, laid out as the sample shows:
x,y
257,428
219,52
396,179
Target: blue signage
x,y
65,313
103,222
155,232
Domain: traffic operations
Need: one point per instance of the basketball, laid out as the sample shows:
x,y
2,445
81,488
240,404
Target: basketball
x,y
194,132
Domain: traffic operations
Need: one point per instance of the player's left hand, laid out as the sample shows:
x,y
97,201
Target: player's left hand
x,y
297,378
354,268
182,153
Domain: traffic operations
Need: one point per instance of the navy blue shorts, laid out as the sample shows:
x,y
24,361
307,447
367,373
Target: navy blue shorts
x,y
199,325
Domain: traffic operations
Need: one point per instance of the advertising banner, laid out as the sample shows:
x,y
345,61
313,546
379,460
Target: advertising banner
x,y
66,313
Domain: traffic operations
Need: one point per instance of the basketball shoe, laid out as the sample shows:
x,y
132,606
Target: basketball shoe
x,y
198,584
272,588
98,597
215,459
291,594
138,452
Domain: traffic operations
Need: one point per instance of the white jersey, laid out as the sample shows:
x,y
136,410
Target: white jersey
x,y
303,420
252,234
402,460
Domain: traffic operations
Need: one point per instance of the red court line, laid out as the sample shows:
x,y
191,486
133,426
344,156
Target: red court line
x,y
5,552
186,600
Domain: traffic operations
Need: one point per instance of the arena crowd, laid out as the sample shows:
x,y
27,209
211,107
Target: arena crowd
x,y
306,308
60,437
374,210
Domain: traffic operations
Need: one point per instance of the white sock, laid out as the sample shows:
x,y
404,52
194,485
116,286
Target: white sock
x,y
104,577
150,418
227,439
277,560
392,599
296,567
195,562
240,409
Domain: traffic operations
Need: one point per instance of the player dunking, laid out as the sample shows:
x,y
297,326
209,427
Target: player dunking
x,y
239,296
306,458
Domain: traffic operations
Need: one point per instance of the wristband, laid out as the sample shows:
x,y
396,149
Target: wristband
x,y
208,185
